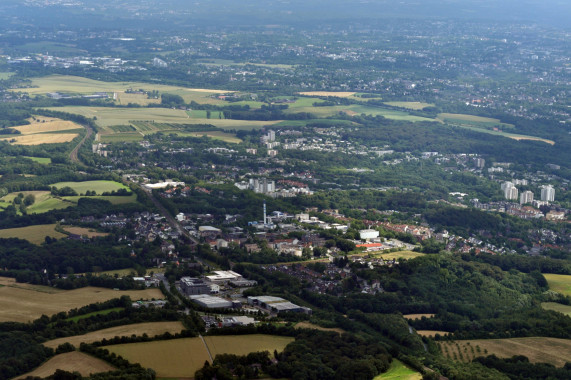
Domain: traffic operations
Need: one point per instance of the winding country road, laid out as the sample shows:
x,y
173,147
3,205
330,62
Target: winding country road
x,y
73,154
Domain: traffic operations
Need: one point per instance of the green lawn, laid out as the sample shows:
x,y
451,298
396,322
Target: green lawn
x,y
114,199
559,282
398,371
357,109
40,160
563,309
97,186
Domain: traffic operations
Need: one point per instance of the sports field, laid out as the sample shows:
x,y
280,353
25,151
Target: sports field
x,y
563,309
399,371
560,283
71,362
182,357
536,349
151,329
24,302
34,234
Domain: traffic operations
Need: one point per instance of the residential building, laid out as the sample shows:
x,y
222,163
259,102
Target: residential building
x,y
526,197
547,193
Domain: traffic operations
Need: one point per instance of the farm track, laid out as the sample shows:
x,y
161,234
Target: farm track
x,y
73,155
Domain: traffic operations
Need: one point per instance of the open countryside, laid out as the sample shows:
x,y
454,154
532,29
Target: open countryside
x,y
71,362
151,329
22,303
563,309
183,357
537,349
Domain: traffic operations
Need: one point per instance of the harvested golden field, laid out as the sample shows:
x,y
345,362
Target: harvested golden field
x,y
339,94
169,358
141,99
431,333
308,325
182,357
24,303
34,234
71,362
536,349
84,231
151,329
243,345
54,125
418,316
41,138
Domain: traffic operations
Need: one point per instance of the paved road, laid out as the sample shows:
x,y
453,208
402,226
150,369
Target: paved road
x,y
73,154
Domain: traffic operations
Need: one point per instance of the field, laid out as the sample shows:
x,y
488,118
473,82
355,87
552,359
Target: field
x,y
415,106
84,231
41,138
418,316
34,234
560,283
308,325
97,186
40,160
124,99
357,109
408,255
4,75
339,94
52,125
24,302
182,357
536,349
399,371
431,333
150,328
216,135
564,309
71,362
78,85
100,312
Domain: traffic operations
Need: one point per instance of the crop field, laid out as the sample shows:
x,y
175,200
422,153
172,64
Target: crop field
x,y
169,358
183,357
236,344
71,362
339,94
324,122
416,106
5,75
418,316
97,186
24,303
54,125
559,282
41,138
536,349
150,328
563,309
84,231
399,371
309,325
124,99
34,234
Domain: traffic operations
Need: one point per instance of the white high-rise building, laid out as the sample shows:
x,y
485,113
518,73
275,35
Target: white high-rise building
x,y
526,197
547,193
510,192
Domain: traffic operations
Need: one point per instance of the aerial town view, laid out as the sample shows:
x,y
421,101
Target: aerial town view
x,y
318,189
